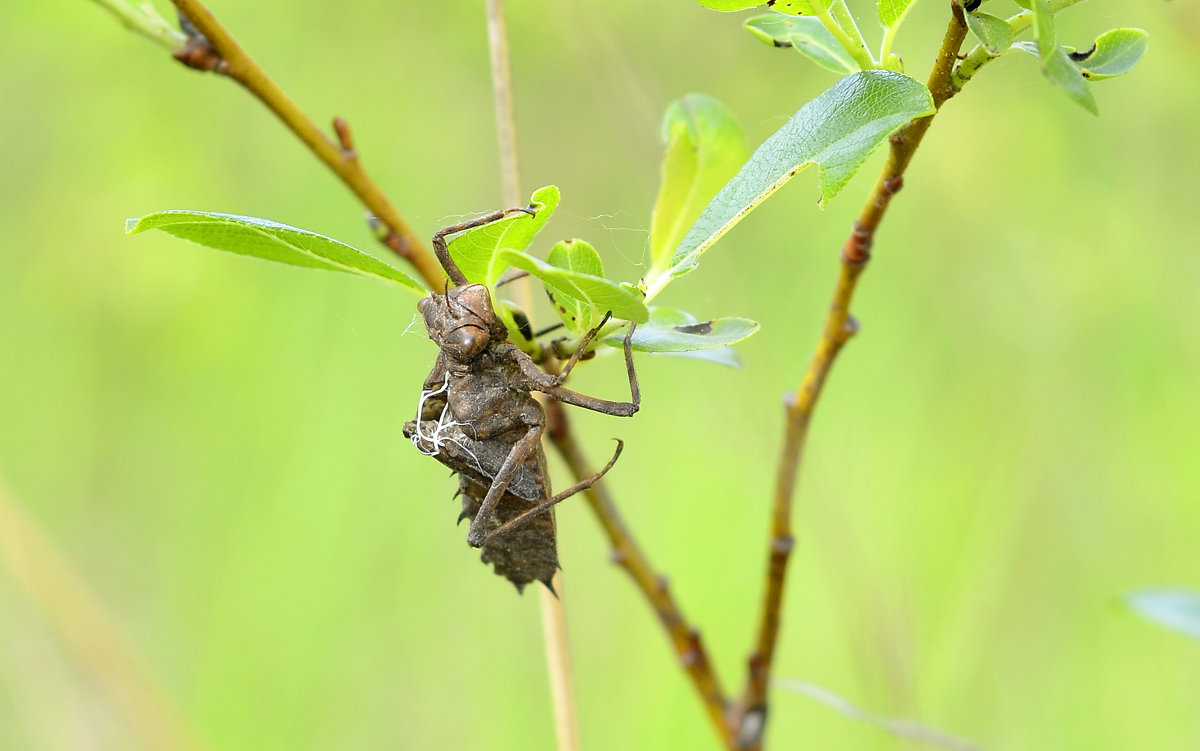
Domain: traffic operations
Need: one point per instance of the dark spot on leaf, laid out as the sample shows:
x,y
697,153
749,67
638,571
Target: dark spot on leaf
x,y
523,325
783,43
704,327
1079,57
972,5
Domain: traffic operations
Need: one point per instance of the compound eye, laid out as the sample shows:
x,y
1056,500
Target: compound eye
x,y
465,342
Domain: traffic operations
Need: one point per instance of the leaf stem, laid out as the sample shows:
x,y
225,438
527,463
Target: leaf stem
x,y
845,19
979,55
889,37
855,49
839,327
145,20
235,63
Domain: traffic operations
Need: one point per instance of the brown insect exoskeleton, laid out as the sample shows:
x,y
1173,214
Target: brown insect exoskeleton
x,y
477,415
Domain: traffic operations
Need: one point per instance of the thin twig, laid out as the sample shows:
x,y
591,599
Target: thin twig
x,y
234,62
87,632
502,91
687,641
897,726
554,617
558,664
839,327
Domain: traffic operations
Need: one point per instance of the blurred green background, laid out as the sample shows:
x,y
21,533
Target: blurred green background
x,y
1009,446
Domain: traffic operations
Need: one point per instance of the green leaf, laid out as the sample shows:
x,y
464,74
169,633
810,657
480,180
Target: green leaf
x,y
798,7
892,12
729,4
1178,609
476,250
836,131
624,300
671,330
272,241
579,257
993,33
1055,63
576,255
705,147
1114,52
807,35
794,7
727,356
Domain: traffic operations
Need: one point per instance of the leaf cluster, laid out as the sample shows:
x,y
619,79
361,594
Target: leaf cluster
x,y
708,183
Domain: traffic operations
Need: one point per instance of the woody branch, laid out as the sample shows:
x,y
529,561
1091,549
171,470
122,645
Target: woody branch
x,y
839,327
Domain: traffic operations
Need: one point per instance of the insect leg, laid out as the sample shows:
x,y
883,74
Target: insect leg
x,y
583,344
548,384
443,253
516,457
547,504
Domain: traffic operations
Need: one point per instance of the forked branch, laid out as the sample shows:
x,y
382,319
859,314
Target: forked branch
x,y
212,47
739,726
839,327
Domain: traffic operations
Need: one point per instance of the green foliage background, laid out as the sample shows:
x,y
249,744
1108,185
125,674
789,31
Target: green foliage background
x,y
1009,445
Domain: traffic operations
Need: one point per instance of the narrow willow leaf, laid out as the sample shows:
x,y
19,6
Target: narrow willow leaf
x,y
671,330
624,300
836,131
807,35
798,7
705,147
475,251
993,33
1055,63
579,257
1114,52
892,12
271,241
1177,609
729,4
727,356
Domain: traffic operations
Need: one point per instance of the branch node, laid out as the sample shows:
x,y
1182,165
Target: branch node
x,y
618,556
783,545
750,729
850,328
893,184
345,140
857,249
198,54
401,245
661,584
694,653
